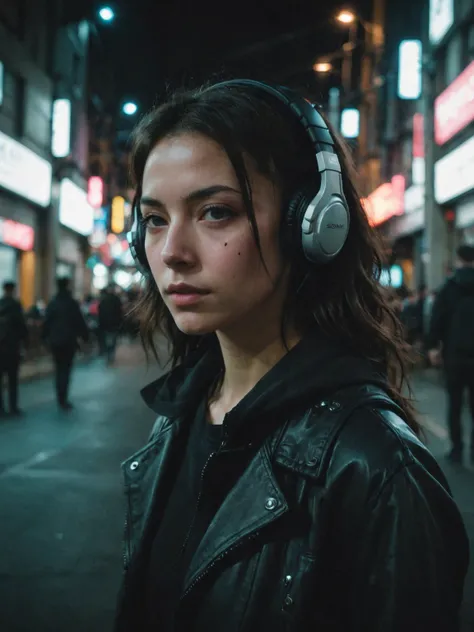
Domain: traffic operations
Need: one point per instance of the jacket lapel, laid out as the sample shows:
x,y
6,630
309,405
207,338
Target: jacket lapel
x,y
147,476
257,500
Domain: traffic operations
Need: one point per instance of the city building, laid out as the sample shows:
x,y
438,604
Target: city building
x,y
45,217
424,207
396,206
74,216
452,40
26,95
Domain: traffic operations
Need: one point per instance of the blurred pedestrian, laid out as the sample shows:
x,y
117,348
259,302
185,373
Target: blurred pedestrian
x,y
110,321
410,317
284,485
90,311
13,333
451,343
64,324
34,321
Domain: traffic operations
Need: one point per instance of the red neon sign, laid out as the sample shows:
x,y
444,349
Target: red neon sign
x,y
454,108
16,235
95,191
386,201
418,136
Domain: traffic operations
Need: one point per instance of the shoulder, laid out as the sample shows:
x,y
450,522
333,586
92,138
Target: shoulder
x,y
375,445
356,447
449,289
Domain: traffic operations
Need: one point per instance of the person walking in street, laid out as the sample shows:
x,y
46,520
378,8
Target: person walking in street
x,y
285,484
110,321
64,324
13,333
451,344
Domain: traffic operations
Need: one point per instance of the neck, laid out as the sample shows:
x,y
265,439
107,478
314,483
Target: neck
x,y
247,361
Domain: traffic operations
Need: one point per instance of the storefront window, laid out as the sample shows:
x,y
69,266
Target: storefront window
x,y
8,258
467,236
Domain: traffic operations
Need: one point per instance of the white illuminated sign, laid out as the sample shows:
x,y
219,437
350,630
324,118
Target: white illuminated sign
x,y
24,172
465,214
454,173
350,121
414,198
61,137
409,69
441,18
74,210
418,170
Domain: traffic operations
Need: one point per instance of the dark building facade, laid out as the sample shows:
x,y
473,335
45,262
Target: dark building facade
x,y
44,215
425,206
452,54
26,94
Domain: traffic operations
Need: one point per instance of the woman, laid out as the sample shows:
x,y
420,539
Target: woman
x,y
284,486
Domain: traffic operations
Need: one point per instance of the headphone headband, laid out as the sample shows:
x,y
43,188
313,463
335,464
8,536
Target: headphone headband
x,y
307,113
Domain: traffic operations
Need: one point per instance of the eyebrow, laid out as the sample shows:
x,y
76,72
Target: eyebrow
x,y
194,196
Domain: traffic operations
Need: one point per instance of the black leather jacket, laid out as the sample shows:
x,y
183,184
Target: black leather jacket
x,y
338,520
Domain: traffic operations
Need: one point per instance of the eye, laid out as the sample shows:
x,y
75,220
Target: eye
x,y
152,221
218,213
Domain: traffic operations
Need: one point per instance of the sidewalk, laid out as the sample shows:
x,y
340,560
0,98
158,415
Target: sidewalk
x,y
44,366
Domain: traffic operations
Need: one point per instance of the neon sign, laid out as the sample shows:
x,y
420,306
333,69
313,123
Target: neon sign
x,y
386,201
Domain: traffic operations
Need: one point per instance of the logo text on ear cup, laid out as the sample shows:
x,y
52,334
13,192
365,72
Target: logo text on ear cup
x,y
334,225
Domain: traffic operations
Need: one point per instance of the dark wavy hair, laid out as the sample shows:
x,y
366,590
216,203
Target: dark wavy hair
x,y
345,297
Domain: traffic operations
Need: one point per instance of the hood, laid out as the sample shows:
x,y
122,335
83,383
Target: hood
x,y
315,368
465,278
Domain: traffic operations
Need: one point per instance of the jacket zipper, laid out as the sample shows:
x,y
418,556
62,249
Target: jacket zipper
x,y
250,537
126,546
225,553
188,535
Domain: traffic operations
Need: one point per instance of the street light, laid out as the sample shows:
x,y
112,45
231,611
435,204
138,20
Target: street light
x,y
130,108
351,20
106,14
346,17
322,67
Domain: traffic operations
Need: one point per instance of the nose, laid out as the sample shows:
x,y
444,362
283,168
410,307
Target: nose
x,y
178,246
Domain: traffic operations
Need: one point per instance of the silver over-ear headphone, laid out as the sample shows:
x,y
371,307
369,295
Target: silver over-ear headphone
x,y
318,214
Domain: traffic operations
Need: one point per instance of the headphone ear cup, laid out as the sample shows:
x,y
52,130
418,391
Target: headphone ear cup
x,y
136,242
294,218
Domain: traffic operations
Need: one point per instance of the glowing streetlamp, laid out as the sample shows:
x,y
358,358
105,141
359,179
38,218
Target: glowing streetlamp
x,y
106,14
351,20
346,17
130,108
322,67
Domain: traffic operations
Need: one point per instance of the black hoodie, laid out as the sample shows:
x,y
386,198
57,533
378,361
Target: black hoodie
x,y
316,367
452,319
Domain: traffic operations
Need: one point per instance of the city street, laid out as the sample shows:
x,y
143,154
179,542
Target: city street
x,y
61,494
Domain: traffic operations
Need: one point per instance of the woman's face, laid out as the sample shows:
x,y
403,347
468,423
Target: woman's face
x,y
198,235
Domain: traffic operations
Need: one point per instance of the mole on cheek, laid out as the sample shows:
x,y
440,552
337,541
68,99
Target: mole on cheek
x,y
239,253
225,244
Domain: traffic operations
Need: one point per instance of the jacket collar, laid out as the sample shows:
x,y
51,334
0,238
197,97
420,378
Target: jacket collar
x,y
316,367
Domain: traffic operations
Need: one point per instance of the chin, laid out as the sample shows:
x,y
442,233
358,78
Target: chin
x,y
195,324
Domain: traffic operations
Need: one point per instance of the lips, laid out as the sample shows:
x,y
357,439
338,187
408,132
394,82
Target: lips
x,y
184,288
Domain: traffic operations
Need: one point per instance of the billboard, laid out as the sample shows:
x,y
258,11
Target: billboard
x,y
454,108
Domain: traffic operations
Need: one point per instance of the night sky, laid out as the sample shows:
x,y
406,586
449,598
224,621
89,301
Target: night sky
x,y
154,46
